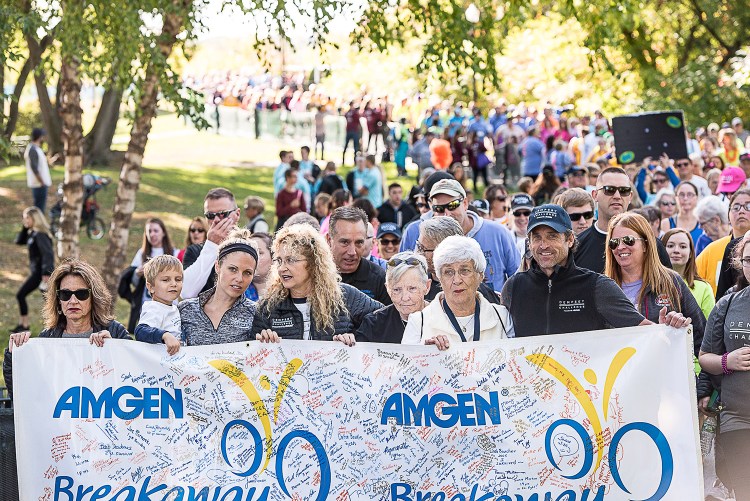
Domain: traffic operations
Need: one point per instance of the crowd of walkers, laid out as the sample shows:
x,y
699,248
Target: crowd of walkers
x,y
355,259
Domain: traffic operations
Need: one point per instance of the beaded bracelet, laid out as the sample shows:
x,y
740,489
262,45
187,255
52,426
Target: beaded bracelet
x,y
724,367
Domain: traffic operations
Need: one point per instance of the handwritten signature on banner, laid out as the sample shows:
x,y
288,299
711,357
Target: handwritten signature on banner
x,y
315,421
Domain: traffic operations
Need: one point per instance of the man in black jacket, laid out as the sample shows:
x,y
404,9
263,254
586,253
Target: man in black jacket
x,y
346,235
555,296
613,194
395,209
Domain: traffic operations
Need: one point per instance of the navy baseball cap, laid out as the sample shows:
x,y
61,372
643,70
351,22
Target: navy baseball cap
x,y
550,215
389,228
481,205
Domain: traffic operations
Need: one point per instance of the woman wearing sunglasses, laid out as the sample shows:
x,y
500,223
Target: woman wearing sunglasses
x,y
666,201
632,261
687,199
407,282
196,234
305,299
77,305
459,313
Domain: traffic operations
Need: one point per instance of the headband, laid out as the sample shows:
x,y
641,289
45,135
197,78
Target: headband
x,y
241,247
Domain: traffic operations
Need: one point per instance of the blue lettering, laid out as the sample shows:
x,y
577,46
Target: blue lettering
x,y
145,494
135,404
393,408
258,445
667,462
130,490
69,401
485,408
153,403
447,410
150,403
236,491
202,495
320,452
468,409
395,494
89,401
172,403
415,414
60,489
101,492
178,497
83,491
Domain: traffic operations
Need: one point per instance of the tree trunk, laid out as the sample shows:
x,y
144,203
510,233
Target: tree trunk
x,y
130,174
49,114
72,135
99,138
10,125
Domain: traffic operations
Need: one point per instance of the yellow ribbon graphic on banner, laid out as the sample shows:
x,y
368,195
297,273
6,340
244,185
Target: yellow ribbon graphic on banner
x,y
248,388
562,374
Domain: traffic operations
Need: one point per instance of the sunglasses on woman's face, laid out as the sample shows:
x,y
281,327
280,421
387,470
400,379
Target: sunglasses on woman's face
x,y
422,205
522,213
80,294
660,180
197,230
390,241
584,215
452,205
628,240
666,202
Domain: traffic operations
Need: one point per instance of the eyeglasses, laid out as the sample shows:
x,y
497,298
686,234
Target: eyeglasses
x,y
584,215
627,240
450,273
660,180
739,207
745,262
665,203
221,215
421,248
682,164
522,213
80,294
688,194
578,173
410,261
390,241
610,191
422,205
197,230
453,205
289,261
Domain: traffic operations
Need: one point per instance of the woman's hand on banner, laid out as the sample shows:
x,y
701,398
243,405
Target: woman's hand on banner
x,y
268,336
347,339
673,318
18,339
98,338
440,341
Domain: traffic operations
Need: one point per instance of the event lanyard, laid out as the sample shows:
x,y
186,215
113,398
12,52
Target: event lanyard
x,y
455,325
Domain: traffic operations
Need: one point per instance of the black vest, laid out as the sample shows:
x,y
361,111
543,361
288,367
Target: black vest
x,y
564,302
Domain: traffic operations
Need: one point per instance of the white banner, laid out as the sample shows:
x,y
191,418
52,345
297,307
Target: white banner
x,y
596,415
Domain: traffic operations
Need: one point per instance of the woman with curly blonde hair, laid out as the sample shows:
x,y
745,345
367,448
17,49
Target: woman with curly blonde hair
x,y
306,299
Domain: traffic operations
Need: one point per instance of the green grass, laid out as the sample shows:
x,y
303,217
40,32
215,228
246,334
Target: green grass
x,y
180,166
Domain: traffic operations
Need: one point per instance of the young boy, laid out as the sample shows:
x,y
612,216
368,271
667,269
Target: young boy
x,y
160,318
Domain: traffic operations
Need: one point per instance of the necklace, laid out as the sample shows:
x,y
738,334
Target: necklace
x,y
468,321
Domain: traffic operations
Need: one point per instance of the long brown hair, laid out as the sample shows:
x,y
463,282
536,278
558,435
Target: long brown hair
x,y
655,276
101,299
166,243
691,270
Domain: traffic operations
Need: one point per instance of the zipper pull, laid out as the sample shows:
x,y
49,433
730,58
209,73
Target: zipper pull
x,y
549,286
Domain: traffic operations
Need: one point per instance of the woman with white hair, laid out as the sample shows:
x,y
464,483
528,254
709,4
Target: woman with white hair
x,y
407,282
666,201
459,313
713,217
